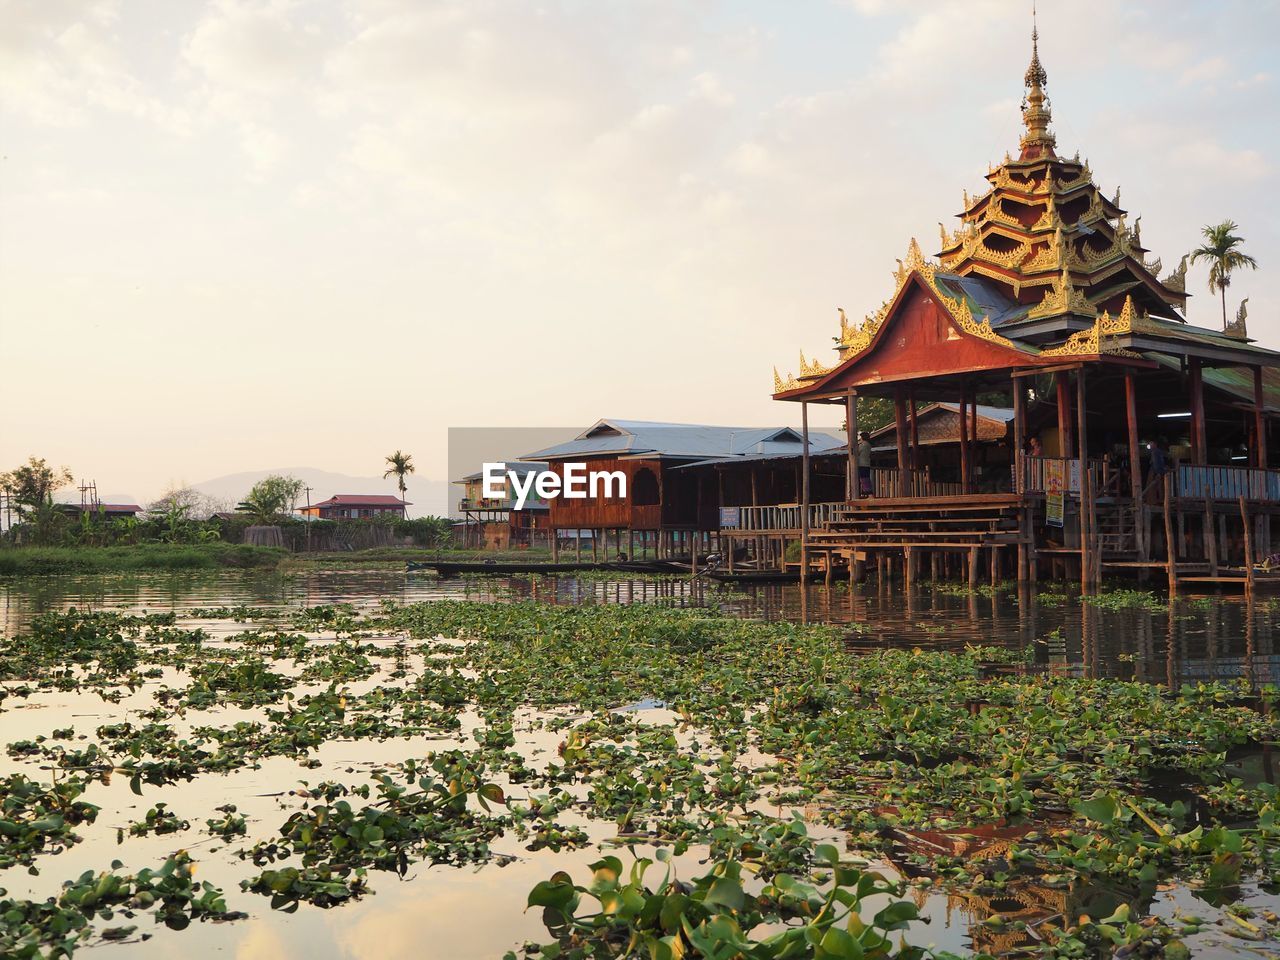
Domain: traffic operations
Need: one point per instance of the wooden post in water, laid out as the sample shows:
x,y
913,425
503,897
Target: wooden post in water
x,y
1248,547
1170,546
1210,538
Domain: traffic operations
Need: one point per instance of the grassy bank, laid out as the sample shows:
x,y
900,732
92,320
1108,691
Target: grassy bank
x,y
46,561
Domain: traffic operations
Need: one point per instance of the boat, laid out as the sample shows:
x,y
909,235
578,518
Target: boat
x,y
493,568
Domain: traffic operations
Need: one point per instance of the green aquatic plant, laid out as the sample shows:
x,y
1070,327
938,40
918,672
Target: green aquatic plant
x,y
717,915
58,926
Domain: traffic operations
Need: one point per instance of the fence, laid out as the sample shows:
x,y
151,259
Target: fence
x,y
1226,483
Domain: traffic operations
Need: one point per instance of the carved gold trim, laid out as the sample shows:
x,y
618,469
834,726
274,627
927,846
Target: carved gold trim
x,y
812,369
1063,297
1178,279
1097,339
782,386
997,214
1049,219
1009,259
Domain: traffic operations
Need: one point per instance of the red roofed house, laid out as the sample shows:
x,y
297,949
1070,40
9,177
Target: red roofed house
x,y
355,506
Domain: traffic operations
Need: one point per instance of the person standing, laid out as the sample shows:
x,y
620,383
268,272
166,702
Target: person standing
x,y
864,464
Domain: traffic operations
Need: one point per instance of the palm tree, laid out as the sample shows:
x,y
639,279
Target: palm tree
x,y
400,464
1221,249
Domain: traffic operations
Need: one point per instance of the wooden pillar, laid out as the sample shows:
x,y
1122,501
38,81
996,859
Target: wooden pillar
x,y
1198,440
915,432
804,491
1135,453
555,545
1019,430
853,488
1086,491
1020,476
964,439
1259,421
900,431
577,545
1066,448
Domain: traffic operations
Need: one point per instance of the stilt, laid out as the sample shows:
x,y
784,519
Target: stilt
x,y
973,568
1248,547
1135,460
1170,547
804,492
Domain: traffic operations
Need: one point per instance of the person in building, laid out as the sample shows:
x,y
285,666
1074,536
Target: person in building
x,y
864,464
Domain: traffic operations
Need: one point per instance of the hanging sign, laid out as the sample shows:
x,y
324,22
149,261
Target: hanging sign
x,y
1054,486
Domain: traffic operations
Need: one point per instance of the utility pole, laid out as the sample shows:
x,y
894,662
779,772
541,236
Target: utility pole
x,y
309,518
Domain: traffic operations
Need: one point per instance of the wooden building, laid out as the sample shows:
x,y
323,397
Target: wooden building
x,y
666,511
1044,300
493,523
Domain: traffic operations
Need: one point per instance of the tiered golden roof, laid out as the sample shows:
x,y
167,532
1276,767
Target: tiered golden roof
x,y
1044,238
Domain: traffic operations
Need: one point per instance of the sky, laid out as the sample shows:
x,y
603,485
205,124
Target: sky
x,y
247,233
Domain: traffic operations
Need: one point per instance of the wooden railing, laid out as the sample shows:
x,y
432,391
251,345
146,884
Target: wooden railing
x,y
1226,483
888,483
1032,473
783,516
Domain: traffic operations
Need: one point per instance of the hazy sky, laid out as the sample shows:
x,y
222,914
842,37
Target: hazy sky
x,y
243,234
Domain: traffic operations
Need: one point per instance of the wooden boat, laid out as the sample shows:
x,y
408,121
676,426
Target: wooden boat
x,y
761,576
492,568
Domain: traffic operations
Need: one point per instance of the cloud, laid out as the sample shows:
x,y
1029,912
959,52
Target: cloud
x,y
59,62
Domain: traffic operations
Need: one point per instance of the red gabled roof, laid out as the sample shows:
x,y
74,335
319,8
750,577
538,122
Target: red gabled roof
x,y
362,500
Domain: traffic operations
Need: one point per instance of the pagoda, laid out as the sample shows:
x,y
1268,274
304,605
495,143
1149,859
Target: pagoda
x,y
1045,295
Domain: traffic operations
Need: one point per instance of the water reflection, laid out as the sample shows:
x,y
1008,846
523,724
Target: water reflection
x,y
1188,641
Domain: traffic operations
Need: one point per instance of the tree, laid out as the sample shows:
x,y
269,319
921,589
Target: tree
x,y
399,466
1222,250
272,496
32,485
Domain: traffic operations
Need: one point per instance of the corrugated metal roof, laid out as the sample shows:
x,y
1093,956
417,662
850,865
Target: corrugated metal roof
x,y
634,438
985,298
1236,381
519,467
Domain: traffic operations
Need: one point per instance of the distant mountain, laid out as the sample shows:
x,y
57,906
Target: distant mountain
x,y
427,496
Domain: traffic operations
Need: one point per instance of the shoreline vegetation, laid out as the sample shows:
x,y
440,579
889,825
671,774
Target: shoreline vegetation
x,y
58,561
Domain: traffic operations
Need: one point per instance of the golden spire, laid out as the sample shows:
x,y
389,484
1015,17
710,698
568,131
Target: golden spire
x,y
1037,141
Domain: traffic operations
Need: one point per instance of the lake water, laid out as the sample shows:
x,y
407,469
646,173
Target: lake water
x,y
463,913
1195,638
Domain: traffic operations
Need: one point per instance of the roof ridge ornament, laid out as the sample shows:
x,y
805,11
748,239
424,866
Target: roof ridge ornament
x,y
1037,141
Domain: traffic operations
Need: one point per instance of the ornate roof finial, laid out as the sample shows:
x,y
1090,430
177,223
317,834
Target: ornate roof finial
x,y
1038,141
1036,77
